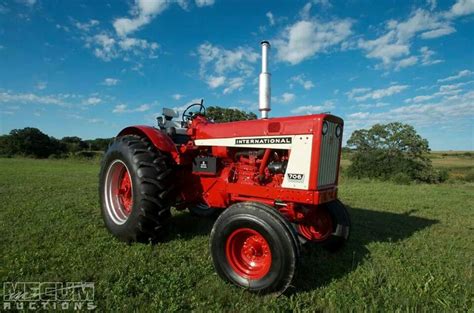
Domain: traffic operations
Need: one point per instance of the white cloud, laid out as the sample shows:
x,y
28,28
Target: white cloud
x,y
363,94
439,32
406,62
419,99
305,12
63,27
204,3
142,108
356,91
461,74
395,43
110,81
41,85
86,26
300,79
432,3
271,18
92,101
461,8
123,108
235,83
217,64
426,56
288,97
306,38
143,12
448,110
285,98
397,40
360,115
177,96
29,3
9,97
120,108
373,105
323,3
312,109
223,60
444,91
108,47
215,81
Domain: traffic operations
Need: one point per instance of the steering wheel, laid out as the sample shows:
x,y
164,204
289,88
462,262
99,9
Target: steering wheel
x,y
189,115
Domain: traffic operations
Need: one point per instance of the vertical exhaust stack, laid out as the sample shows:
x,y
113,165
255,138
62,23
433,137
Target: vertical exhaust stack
x,y
264,90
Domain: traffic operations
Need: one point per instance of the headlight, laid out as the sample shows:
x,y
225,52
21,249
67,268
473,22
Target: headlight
x,y
325,127
338,131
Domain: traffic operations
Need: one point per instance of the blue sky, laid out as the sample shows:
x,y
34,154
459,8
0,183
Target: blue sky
x,y
90,68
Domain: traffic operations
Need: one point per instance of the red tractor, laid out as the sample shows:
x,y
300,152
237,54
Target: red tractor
x,y
275,179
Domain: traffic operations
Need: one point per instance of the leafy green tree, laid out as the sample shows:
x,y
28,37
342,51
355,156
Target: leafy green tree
x,y
74,144
31,141
221,115
391,151
98,144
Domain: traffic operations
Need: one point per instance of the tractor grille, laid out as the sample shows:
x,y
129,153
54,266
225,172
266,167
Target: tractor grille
x,y
329,155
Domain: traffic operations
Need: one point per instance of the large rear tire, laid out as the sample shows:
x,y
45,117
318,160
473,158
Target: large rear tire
x,y
135,189
254,247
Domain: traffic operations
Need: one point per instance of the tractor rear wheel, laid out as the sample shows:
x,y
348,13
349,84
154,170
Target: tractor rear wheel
x,y
327,225
254,247
135,189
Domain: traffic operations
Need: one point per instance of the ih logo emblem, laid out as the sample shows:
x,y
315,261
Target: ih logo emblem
x,y
296,177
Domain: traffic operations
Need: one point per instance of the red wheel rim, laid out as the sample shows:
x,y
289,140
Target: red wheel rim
x,y
317,225
248,253
118,192
124,192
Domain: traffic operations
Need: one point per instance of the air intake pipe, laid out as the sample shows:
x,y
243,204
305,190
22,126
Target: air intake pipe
x,y
264,90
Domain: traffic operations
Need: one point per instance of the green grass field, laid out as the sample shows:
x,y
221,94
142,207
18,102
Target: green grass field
x,y
411,249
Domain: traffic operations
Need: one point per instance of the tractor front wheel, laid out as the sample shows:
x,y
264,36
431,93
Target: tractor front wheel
x,y
254,247
135,189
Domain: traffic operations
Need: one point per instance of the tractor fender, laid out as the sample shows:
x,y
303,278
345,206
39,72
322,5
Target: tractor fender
x,y
160,140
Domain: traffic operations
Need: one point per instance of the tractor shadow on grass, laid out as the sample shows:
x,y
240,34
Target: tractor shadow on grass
x,y
187,226
319,267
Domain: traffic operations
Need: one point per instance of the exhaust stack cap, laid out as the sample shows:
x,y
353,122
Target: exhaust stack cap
x,y
265,94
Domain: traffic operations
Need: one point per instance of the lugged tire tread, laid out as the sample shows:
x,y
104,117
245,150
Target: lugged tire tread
x,y
153,169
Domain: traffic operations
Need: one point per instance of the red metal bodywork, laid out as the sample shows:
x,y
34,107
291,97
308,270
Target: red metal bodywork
x,y
159,139
246,178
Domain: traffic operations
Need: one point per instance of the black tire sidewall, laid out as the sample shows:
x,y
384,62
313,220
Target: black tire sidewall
x,y
284,254
120,151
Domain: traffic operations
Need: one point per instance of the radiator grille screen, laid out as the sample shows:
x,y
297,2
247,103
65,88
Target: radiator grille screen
x,y
329,154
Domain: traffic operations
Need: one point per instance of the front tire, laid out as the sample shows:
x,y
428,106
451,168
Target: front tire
x,y
254,247
135,189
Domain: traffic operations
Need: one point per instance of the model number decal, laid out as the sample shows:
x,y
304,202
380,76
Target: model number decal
x,y
260,141
295,177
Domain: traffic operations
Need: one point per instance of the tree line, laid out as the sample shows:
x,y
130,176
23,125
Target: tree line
x,y
393,151
32,142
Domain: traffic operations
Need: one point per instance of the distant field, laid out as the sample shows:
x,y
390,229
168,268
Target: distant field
x,y
459,164
411,248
